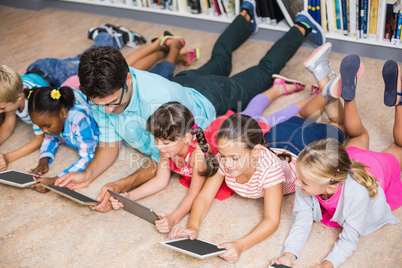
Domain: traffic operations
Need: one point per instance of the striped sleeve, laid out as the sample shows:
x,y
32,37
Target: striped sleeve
x,y
49,147
86,134
272,175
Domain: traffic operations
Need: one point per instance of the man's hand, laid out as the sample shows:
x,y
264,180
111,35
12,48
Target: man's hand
x,y
73,180
104,197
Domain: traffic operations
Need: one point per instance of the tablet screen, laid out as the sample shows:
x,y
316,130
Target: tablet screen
x,y
196,247
77,197
17,178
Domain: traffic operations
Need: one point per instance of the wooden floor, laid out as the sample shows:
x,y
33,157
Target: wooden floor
x,y
47,230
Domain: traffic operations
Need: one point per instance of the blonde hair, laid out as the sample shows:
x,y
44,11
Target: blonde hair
x,y
327,162
10,84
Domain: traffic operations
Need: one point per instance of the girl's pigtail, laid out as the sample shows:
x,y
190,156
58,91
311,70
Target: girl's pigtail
x,y
359,173
283,156
211,163
67,96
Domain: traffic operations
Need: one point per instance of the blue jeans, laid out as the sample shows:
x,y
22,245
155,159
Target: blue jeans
x,y
56,71
296,133
164,69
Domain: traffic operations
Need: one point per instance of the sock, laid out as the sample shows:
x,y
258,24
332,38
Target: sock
x,y
256,106
282,115
305,26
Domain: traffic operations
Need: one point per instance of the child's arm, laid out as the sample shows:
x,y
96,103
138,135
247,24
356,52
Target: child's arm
x,y
272,214
154,185
298,235
87,139
8,126
26,149
200,207
168,221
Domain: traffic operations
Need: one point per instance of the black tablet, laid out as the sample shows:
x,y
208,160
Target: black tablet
x,y
136,208
77,197
17,178
278,266
196,248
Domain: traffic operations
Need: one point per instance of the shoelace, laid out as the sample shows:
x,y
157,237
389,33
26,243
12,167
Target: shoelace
x,y
115,34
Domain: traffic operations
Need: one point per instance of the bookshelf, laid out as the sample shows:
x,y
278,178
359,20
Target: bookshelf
x,y
268,32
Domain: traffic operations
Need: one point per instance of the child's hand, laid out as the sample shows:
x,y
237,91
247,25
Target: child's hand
x,y
165,224
325,264
286,259
233,252
188,232
115,203
42,168
39,187
3,162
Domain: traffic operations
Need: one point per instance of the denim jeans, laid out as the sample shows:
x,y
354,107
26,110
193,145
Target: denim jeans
x,y
164,69
296,133
58,70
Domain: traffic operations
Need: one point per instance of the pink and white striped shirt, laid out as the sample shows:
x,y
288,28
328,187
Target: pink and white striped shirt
x,y
270,171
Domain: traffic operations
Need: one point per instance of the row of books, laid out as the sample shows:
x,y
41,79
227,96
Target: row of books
x,y
268,11
376,20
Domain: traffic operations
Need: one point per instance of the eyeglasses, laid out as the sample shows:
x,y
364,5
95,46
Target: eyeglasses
x,y
110,105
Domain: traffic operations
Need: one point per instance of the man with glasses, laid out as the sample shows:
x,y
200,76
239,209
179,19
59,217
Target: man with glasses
x,y
121,104
206,92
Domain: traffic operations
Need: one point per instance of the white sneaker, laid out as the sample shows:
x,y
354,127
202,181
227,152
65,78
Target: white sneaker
x,y
318,63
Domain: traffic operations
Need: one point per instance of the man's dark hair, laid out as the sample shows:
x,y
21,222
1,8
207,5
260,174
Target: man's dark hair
x,y
102,71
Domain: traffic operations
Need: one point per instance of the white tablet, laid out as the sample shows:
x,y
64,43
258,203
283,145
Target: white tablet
x,y
17,178
196,248
135,208
77,197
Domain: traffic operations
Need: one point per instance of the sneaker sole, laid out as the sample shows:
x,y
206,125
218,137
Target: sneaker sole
x,y
317,54
390,76
336,88
350,65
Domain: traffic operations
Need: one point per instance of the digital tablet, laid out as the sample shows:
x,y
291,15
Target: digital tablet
x,y
278,266
77,197
17,178
196,248
136,208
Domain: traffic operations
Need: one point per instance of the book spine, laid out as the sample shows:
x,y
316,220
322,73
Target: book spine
x,y
373,19
364,16
338,15
352,18
398,31
323,9
330,14
344,13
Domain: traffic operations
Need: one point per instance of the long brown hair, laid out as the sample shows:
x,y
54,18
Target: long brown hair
x,y
172,121
327,161
245,129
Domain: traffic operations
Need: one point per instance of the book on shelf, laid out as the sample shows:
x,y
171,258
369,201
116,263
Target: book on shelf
x,y
364,18
323,11
373,14
397,40
345,17
389,21
290,8
330,15
353,18
338,17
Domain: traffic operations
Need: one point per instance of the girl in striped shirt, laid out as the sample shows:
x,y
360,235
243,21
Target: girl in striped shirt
x,y
63,122
252,169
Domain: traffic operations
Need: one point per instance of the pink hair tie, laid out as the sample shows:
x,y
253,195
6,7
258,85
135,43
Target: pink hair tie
x,y
206,152
194,126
